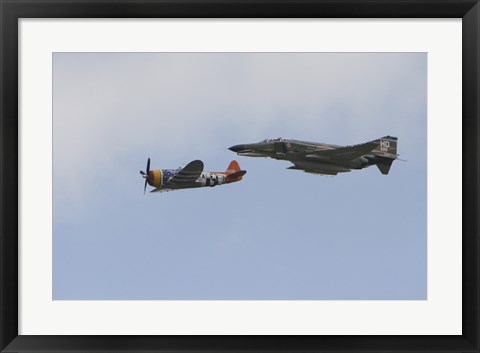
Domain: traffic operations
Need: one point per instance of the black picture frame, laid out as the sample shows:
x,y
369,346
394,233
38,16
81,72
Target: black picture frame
x,y
12,10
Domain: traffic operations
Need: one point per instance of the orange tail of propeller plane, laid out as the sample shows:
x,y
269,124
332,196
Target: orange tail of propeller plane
x,y
234,173
233,167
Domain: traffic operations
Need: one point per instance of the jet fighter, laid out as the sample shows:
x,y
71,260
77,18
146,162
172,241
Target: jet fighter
x,y
322,158
190,176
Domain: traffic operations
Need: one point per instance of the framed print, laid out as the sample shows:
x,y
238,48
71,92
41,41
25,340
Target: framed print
x,y
231,176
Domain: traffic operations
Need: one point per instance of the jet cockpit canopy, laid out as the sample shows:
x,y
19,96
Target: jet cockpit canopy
x,y
272,140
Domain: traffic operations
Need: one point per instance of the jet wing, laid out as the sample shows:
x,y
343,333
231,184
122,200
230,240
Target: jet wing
x,y
320,169
188,174
320,173
343,153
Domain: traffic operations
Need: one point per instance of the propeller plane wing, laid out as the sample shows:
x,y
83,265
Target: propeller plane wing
x,y
189,174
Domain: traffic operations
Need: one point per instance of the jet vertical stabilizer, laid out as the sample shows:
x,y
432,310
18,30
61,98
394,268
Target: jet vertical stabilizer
x,y
387,147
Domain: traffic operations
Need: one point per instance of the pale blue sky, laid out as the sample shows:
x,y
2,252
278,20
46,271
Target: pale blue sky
x,y
278,234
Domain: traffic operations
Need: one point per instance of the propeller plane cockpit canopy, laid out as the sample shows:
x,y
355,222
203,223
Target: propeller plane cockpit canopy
x,y
190,176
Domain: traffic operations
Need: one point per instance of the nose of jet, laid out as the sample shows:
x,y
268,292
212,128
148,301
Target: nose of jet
x,y
237,148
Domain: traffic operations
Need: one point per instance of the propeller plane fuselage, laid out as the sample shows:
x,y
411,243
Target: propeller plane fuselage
x,y
191,176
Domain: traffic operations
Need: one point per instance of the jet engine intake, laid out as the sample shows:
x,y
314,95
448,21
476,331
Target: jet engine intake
x,y
279,148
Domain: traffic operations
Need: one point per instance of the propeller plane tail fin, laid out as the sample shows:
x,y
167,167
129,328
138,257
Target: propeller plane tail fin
x,y
233,167
234,173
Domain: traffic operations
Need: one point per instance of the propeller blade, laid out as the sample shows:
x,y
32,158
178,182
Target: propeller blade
x,y
145,175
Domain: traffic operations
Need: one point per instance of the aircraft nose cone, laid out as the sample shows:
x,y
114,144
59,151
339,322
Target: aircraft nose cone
x,y
150,177
237,148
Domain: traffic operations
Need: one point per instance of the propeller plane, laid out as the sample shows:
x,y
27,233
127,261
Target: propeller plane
x,y
190,176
